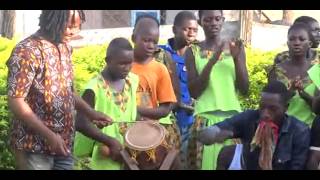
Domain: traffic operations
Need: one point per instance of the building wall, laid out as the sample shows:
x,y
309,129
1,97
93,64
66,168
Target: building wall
x,y
262,34
101,19
231,15
116,18
93,19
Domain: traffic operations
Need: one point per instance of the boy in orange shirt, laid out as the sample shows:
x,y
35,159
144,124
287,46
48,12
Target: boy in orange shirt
x,y
155,93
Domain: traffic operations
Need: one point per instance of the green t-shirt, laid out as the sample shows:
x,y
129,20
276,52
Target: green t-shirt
x,y
298,107
220,94
121,107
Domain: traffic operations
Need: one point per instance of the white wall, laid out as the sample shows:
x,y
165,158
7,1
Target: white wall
x,y
27,22
269,37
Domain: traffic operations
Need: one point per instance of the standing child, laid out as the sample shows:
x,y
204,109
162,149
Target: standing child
x,y
216,71
313,53
113,92
155,92
185,28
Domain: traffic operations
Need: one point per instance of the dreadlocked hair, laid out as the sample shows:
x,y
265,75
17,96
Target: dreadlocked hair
x,y
53,23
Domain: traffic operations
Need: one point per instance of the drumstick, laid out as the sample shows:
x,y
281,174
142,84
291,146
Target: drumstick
x,y
153,121
124,122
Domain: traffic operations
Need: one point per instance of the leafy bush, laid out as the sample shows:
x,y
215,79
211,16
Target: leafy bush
x,y
6,158
6,47
90,60
87,61
258,63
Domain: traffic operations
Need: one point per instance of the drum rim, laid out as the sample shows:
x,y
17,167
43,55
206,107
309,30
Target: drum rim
x,y
143,148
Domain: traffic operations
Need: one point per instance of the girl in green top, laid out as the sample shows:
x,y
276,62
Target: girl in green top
x,y
112,92
299,74
313,53
216,70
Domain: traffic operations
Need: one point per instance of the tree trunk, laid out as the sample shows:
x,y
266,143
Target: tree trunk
x,y
8,23
287,17
246,18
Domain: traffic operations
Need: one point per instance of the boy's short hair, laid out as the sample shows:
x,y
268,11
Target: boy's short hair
x,y
148,16
305,19
200,13
277,87
183,16
117,45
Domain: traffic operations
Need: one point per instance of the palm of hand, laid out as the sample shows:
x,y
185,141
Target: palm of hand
x,y
235,47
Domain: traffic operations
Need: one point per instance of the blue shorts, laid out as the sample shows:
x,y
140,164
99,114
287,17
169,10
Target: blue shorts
x,y
36,161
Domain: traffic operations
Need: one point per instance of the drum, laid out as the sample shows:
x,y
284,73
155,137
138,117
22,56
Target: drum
x,y
146,144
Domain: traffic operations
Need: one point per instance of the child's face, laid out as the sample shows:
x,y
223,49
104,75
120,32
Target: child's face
x,y
187,32
298,41
211,22
120,64
146,42
315,31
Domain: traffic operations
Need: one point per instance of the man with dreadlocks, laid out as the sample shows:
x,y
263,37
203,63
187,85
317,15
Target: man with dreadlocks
x,y
41,94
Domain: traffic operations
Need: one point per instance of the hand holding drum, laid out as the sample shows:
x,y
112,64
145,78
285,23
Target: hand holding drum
x,y
105,151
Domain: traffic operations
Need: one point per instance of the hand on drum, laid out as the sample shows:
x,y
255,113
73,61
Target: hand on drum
x,y
114,148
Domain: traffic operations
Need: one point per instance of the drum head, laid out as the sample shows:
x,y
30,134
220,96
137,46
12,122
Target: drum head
x,y
143,136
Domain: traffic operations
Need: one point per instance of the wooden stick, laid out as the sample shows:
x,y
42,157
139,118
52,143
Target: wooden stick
x,y
171,156
128,160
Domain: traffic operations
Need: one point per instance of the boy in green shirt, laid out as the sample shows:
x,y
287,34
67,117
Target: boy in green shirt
x,y
113,92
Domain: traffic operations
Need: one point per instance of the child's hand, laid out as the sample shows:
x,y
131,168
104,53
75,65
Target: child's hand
x,y
115,147
217,53
299,85
189,109
236,47
104,150
296,84
100,119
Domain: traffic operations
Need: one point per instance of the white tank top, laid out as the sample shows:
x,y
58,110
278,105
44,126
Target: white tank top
x,y
236,161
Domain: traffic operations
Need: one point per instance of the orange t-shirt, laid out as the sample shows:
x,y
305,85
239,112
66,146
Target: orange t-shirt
x,y
154,84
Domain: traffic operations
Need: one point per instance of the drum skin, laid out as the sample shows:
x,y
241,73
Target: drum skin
x,y
135,136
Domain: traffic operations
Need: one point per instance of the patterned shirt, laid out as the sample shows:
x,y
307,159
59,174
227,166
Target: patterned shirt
x,y
119,98
42,74
284,56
